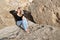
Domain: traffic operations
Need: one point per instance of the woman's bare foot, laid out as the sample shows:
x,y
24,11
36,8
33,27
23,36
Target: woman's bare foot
x,y
27,30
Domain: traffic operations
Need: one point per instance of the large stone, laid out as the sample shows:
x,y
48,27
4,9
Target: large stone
x,y
45,12
37,32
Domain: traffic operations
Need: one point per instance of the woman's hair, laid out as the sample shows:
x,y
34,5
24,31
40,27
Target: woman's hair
x,y
19,7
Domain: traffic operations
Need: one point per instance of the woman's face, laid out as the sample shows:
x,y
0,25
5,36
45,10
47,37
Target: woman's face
x,y
18,10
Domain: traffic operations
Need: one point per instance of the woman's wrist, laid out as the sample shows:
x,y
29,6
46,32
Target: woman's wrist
x,y
23,17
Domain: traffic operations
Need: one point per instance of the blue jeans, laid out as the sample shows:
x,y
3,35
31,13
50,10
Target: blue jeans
x,y
23,23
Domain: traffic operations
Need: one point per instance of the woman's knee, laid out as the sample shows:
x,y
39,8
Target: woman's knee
x,y
18,23
24,20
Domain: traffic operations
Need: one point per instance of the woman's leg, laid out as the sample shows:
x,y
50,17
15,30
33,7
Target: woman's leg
x,y
25,24
19,23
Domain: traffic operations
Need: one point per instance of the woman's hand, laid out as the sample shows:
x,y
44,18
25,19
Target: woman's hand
x,y
23,18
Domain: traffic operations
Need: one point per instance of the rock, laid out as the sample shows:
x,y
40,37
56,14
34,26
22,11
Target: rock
x,y
45,11
36,33
8,31
43,16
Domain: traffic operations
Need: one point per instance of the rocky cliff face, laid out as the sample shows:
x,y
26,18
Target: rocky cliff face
x,y
43,13
46,12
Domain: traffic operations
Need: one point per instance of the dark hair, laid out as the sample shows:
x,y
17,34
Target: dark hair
x,y
19,7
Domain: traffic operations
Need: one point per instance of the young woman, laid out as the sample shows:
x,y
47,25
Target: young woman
x,y
21,20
